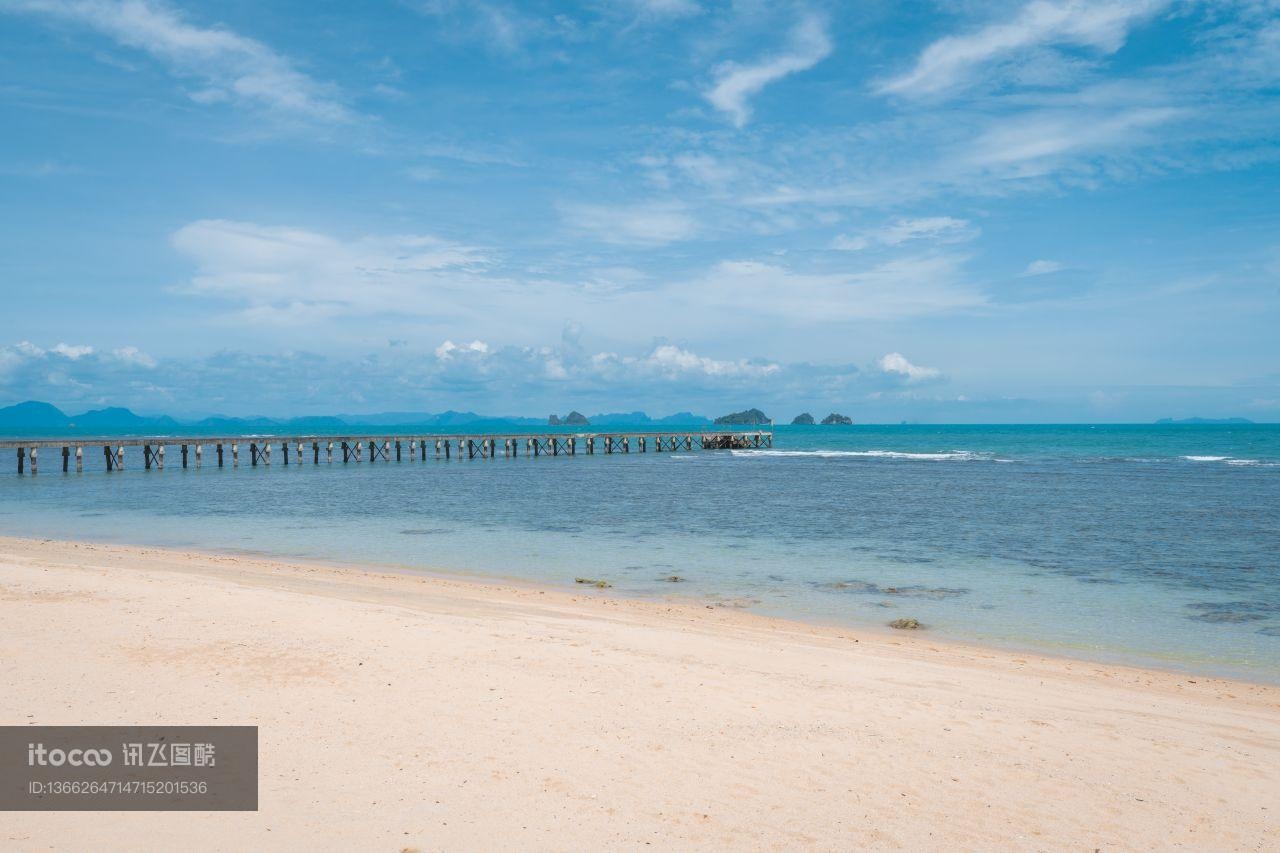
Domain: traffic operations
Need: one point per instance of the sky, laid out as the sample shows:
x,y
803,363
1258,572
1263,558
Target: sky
x,y
1046,211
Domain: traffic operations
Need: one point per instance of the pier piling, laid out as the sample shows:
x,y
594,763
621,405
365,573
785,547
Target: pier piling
x,y
353,448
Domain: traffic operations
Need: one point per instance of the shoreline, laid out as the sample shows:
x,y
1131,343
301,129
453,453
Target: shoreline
x,y
412,705
1139,661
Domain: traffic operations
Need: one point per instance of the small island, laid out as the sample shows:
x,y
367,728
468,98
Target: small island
x,y
837,419
803,419
574,418
1201,421
749,417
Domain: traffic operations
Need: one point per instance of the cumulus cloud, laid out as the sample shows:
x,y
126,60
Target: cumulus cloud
x,y
674,362
939,229
228,67
71,351
948,62
449,350
735,84
665,376
72,372
896,363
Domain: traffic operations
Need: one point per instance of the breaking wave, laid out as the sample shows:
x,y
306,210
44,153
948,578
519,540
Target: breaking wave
x,y
944,456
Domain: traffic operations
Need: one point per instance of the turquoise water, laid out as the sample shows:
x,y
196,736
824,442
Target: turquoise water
x,y
1147,544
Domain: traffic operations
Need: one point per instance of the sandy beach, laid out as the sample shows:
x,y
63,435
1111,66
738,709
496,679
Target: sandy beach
x,y
400,711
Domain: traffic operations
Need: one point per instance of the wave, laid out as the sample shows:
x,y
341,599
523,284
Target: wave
x,y
1233,461
946,456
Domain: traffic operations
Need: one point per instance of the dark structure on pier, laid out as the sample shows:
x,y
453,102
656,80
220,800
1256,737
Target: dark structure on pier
x,y
298,450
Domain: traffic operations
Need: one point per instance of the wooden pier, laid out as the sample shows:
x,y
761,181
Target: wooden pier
x,y
327,449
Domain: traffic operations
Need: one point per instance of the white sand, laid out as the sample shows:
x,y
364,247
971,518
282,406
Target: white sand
x,y
398,711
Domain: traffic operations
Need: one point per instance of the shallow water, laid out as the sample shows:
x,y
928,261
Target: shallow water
x,y
1157,545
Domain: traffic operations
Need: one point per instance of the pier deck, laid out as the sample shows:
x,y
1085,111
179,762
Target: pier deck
x,y
326,449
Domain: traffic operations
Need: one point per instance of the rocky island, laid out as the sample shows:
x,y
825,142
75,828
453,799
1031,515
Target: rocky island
x,y
837,419
750,417
804,419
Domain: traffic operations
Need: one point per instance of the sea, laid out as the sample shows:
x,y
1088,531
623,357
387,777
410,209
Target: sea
x,y
1155,545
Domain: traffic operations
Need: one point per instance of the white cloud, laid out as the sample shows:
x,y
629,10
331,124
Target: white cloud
x,y
939,229
1042,267
72,351
449,350
897,363
736,84
663,9
419,286
229,67
1035,143
949,61
903,287
645,224
132,355
28,349
673,361
423,174
290,275
662,378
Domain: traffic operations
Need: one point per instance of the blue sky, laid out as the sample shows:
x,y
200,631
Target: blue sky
x,y
974,211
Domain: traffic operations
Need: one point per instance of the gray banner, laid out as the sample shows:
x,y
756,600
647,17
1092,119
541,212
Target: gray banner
x,y
128,768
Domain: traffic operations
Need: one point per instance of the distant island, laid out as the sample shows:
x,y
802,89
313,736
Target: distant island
x,y
574,418
750,417
38,418
1166,421
835,419
804,419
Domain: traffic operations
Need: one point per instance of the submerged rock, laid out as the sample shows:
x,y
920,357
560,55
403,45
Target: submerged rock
x,y
1228,612
906,624
599,584
935,593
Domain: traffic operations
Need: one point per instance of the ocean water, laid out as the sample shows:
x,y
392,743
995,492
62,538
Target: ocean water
x,y
1157,545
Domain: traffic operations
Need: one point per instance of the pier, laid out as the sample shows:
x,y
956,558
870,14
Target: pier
x,y
197,451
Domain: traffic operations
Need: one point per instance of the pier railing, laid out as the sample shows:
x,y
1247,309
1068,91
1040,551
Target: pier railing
x,y
327,449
